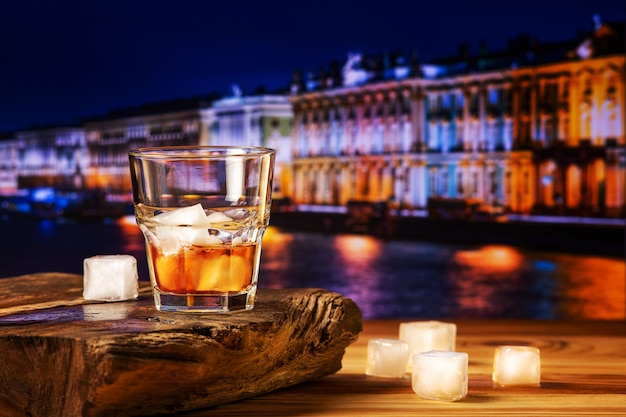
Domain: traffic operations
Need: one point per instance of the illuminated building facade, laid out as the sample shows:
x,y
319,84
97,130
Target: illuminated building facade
x,y
52,157
534,129
256,121
94,156
8,164
110,139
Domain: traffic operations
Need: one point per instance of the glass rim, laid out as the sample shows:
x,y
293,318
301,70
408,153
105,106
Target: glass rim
x,y
199,152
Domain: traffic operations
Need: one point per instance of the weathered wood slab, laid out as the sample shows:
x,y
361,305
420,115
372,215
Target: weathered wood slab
x,y
62,356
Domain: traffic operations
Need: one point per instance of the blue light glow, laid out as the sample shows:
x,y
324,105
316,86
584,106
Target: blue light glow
x,y
43,195
543,265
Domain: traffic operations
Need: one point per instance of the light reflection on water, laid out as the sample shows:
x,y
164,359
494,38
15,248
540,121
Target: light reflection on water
x,y
400,279
387,279
131,237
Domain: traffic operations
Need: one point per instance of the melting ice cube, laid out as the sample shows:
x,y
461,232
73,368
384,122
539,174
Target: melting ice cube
x,y
187,225
440,375
110,278
387,358
184,216
423,336
218,217
516,365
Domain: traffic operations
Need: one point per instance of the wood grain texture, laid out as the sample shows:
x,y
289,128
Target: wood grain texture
x,y
63,356
583,374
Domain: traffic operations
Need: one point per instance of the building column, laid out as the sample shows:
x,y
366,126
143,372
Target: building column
x,y
597,98
360,173
399,178
418,184
387,186
299,182
319,176
614,185
525,187
573,135
482,118
587,187
345,190
620,97
467,96
418,120
533,110
481,169
515,113
373,175
536,184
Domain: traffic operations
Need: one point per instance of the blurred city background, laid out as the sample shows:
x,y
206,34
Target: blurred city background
x,y
425,170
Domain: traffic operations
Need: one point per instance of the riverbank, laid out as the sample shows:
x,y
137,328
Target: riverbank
x,y
584,238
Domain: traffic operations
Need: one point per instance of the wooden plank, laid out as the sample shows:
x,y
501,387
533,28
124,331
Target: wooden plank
x,y
583,374
77,358
45,290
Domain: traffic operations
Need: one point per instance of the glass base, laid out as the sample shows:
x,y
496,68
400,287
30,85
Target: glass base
x,y
204,303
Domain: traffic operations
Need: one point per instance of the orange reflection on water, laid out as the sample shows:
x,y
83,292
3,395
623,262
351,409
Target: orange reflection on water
x,y
276,257
132,236
356,248
495,257
127,222
597,290
357,255
273,236
480,275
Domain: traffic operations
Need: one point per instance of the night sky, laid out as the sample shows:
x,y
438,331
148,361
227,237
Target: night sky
x,y
63,60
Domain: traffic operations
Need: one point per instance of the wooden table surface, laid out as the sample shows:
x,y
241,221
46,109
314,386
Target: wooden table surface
x,y
583,374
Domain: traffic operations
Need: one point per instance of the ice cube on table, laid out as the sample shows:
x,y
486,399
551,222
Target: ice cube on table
x,y
440,375
387,358
516,365
423,336
110,278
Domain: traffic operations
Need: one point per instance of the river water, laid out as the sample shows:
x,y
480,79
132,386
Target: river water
x,y
387,279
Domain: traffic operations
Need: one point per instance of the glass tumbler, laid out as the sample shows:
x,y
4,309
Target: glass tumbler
x,y
203,211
